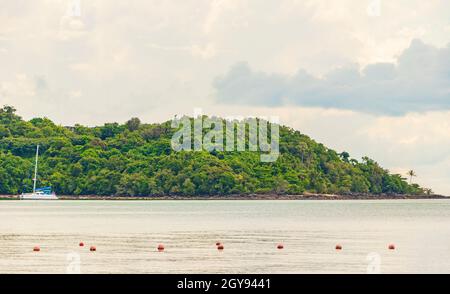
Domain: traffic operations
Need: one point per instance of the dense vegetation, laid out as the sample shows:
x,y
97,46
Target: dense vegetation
x,y
137,159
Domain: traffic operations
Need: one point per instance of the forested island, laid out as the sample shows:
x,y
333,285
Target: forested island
x,y
136,159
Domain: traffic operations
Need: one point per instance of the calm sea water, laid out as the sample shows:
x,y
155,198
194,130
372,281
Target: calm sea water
x,y
126,234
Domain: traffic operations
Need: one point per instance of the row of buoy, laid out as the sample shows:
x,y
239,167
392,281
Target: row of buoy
x,y
92,248
81,244
390,247
219,246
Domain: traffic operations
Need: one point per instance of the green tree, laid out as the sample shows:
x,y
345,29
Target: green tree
x,y
188,187
133,124
345,156
411,174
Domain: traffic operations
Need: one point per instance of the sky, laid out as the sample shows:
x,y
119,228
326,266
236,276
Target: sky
x,y
370,77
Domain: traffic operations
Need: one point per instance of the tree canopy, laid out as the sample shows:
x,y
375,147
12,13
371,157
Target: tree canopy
x,y
137,159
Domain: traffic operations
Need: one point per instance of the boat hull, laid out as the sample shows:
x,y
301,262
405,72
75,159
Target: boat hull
x,y
35,196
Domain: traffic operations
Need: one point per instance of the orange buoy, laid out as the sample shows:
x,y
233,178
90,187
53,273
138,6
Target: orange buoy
x,y
280,246
93,248
338,247
36,249
220,247
391,247
81,244
160,247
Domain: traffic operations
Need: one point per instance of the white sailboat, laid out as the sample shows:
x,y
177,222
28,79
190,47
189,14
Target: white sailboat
x,y
38,194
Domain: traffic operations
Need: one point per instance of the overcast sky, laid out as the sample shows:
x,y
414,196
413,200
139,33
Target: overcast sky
x,y
366,76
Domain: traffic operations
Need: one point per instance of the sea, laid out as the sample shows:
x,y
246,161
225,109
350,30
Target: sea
x,y
126,236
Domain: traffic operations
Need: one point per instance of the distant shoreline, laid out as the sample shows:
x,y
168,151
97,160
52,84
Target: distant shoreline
x,y
248,197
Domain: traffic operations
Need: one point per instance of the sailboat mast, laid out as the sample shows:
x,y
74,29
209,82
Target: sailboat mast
x,y
35,169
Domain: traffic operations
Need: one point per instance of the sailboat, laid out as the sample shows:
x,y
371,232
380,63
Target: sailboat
x,y
40,193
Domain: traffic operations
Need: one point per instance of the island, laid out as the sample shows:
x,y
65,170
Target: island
x,y
136,160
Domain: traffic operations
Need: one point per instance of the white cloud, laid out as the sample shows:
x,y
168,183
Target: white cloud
x,y
419,81
215,11
71,28
83,67
21,86
75,94
206,52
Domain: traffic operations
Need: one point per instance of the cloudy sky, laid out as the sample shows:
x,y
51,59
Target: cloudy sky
x,y
371,77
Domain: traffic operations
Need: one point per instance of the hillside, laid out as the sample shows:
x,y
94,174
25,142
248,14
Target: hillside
x,y
137,159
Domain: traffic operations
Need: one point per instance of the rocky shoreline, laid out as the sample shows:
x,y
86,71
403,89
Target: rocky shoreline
x,y
308,196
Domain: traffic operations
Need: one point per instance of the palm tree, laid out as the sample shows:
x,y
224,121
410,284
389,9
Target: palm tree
x,y
411,174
